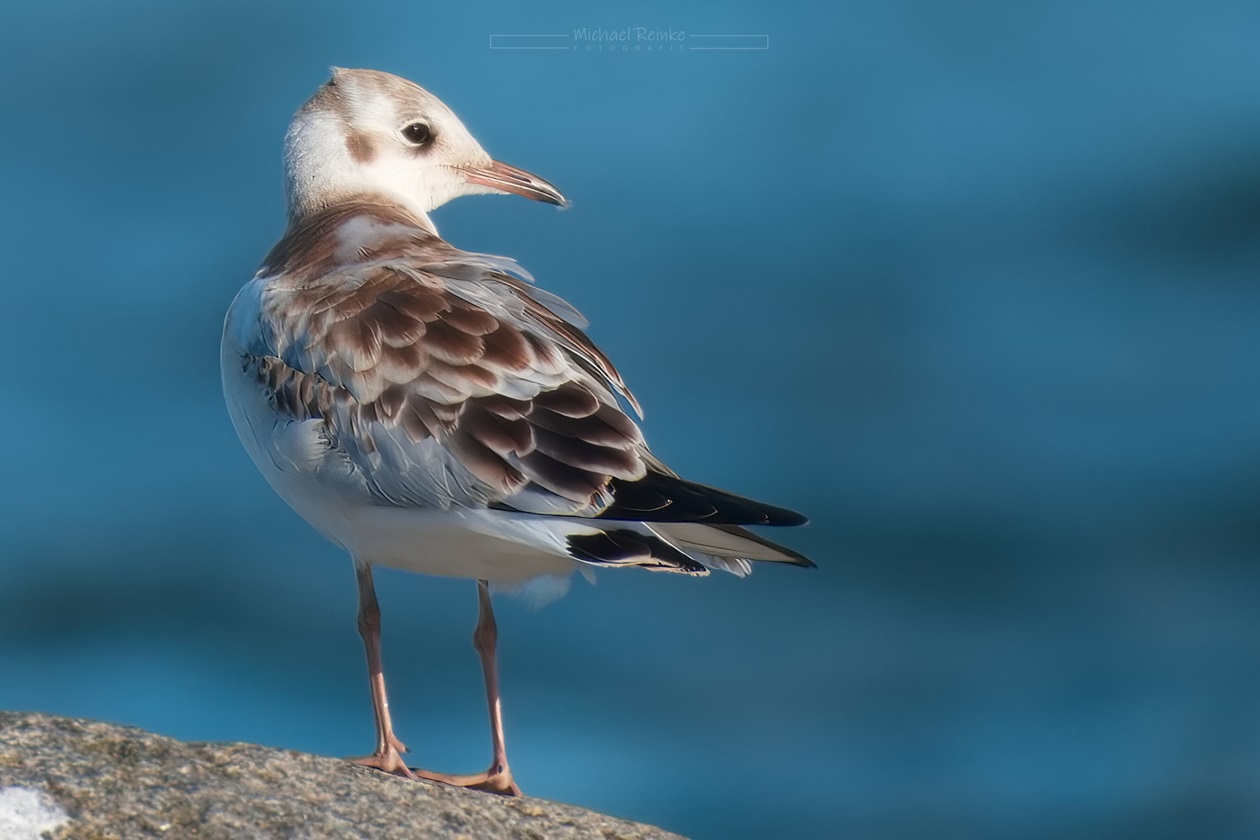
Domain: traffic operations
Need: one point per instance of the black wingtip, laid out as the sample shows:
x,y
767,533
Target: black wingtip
x,y
659,497
792,518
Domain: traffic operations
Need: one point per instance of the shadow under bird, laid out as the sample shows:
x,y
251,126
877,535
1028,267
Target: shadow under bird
x,y
430,409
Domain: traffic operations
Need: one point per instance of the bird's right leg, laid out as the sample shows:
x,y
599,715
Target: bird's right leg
x,y
388,748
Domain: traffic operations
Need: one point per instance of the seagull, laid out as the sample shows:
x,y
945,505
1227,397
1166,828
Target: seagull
x,y
431,409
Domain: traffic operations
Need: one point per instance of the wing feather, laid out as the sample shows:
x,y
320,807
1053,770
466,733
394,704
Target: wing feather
x,y
432,358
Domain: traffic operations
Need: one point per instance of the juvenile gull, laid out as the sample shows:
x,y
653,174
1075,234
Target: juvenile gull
x,y
430,409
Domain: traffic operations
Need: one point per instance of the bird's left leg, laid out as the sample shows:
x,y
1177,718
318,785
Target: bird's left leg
x,y
497,779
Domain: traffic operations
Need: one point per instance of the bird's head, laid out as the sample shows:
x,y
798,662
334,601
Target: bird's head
x,y
368,133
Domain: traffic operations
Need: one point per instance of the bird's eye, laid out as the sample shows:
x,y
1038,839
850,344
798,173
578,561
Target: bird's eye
x,y
418,134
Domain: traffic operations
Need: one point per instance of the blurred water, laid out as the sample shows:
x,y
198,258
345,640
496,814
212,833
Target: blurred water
x,y
974,285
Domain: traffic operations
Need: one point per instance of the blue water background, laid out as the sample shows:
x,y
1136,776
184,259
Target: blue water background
x,y
975,285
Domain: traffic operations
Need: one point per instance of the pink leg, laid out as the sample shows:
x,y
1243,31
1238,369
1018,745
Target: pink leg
x,y
498,779
388,747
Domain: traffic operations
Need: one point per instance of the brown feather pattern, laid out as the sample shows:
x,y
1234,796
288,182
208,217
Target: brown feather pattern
x,y
421,341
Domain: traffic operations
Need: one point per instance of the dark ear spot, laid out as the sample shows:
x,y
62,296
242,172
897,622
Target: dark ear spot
x,y
360,148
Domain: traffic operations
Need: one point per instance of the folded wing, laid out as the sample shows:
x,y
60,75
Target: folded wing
x,y
447,380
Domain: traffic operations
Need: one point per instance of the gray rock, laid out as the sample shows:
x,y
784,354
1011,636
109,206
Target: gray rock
x,y
118,782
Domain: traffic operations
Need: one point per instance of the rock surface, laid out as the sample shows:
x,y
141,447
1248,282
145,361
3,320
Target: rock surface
x,y
121,782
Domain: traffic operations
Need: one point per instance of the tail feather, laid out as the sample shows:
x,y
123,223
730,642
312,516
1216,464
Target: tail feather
x,y
720,545
632,546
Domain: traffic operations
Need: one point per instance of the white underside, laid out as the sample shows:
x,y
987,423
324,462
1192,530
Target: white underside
x,y
464,543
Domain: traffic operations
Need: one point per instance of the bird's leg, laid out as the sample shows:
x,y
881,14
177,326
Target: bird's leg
x,y
485,640
388,747
498,779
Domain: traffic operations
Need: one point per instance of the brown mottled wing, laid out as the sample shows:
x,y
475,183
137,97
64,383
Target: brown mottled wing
x,y
447,381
